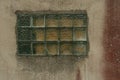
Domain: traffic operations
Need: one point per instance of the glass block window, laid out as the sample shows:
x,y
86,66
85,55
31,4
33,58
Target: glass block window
x,y
52,33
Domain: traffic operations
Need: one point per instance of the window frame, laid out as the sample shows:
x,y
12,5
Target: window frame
x,y
31,14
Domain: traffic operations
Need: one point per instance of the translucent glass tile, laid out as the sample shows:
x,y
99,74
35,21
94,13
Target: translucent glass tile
x,y
52,48
38,34
39,49
66,21
51,34
78,22
66,48
66,34
38,21
80,34
79,48
51,21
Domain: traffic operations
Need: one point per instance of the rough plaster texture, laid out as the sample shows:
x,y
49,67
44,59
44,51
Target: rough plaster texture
x,y
112,40
13,67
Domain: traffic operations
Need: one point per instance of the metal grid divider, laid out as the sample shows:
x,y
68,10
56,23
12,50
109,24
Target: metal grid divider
x,y
86,40
45,47
72,35
58,35
87,49
31,25
86,34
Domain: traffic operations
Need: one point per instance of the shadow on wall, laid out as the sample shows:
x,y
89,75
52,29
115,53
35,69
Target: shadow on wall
x,y
49,64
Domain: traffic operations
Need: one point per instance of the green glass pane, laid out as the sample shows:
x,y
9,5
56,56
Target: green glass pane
x,y
24,48
23,20
24,34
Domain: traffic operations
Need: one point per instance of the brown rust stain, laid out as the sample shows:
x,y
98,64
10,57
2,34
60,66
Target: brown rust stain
x,y
112,40
78,77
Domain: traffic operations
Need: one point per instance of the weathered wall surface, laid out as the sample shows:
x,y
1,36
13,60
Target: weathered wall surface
x,y
112,40
13,67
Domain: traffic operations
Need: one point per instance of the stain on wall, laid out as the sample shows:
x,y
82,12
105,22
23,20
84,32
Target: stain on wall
x,y
78,76
112,40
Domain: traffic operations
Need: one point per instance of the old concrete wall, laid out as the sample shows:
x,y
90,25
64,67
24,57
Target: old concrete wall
x,y
13,67
112,40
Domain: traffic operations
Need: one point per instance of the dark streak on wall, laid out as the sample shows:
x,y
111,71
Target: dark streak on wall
x,y
78,76
112,40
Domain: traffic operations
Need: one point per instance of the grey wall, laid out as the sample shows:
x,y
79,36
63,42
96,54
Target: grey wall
x,y
13,67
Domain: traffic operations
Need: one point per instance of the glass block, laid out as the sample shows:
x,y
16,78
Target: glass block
x,y
78,22
66,21
24,34
51,21
79,48
66,48
38,48
24,48
38,34
52,48
66,34
51,34
24,20
80,34
38,21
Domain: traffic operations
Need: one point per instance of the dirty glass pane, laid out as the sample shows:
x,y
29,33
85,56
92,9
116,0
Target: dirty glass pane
x,y
24,48
78,22
38,34
38,21
24,34
52,48
80,34
51,21
79,48
51,34
66,34
23,20
66,48
38,48
66,21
